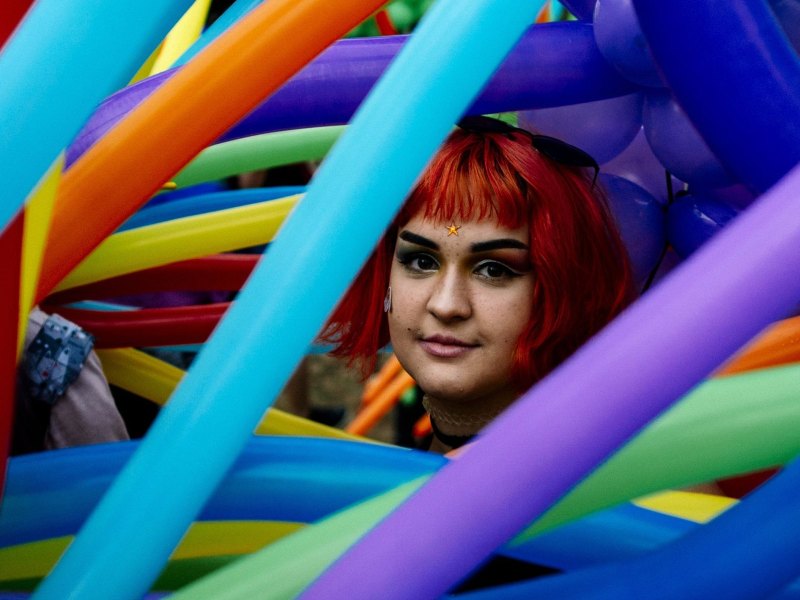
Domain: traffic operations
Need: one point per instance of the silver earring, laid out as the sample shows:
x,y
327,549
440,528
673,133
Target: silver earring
x,y
387,301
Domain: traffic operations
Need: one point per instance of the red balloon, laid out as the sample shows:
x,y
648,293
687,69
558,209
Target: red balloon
x,y
11,251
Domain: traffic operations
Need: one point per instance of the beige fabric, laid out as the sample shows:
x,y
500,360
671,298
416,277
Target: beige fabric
x,y
85,414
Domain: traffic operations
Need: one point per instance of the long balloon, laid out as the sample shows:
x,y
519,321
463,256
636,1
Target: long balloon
x,y
714,418
169,326
205,203
10,278
257,346
731,568
220,86
256,152
762,146
227,272
38,121
182,239
553,65
328,474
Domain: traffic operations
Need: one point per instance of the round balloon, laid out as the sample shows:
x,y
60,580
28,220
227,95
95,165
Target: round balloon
x,y
641,222
603,128
692,220
638,164
678,145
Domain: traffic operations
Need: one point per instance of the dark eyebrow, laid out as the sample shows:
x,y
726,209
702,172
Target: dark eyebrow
x,y
418,239
498,245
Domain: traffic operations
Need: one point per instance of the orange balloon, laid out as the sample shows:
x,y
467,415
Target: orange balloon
x,y
189,111
778,345
380,405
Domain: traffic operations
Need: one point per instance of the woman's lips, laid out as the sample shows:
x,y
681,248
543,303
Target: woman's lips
x,y
445,347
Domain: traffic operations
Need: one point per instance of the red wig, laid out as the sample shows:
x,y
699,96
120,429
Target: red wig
x,y
582,274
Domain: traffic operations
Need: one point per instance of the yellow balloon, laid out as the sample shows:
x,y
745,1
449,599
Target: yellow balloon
x,y
38,212
155,379
182,239
182,36
691,506
34,560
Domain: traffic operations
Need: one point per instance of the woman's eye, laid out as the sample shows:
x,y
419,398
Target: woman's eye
x,y
419,262
494,270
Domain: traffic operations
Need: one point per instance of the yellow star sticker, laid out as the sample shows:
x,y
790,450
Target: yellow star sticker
x,y
453,229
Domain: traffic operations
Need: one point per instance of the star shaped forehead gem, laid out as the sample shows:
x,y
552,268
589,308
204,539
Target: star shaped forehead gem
x,y
453,229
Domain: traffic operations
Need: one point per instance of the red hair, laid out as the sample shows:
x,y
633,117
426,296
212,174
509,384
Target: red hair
x,y
582,274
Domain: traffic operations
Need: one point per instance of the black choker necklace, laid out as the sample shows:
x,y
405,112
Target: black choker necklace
x,y
453,441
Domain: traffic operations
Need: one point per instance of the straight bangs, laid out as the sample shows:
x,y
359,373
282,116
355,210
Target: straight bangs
x,y
474,179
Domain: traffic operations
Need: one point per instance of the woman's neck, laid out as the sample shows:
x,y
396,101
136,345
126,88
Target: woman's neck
x,y
459,420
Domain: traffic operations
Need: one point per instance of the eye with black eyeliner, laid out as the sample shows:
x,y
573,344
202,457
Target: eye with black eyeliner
x,y
495,271
416,261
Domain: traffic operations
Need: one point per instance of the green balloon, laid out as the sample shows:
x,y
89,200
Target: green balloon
x,y
725,427
259,152
285,568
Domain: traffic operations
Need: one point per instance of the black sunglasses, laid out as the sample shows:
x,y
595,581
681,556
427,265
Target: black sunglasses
x,y
553,148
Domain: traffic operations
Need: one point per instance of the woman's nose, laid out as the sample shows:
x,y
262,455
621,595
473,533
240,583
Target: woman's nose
x,y
449,299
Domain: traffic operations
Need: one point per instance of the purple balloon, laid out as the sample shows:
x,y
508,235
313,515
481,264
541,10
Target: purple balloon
x,y
678,146
603,128
582,9
641,222
553,64
736,77
692,220
625,376
638,164
620,39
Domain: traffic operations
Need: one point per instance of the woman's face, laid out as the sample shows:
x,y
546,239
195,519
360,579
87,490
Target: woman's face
x,y
461,298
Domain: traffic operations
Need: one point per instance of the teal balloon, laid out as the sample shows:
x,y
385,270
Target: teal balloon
x,y
65,57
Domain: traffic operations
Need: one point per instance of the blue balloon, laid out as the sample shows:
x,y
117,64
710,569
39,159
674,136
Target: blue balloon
x,y
736,77
747,552
257,345
692,220
620,40
55,72
553,64
641,221
582,9
205,203
275,478
678,146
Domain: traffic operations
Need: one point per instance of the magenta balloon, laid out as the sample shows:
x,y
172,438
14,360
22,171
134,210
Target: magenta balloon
x,y
603,128
573,419
678,146
621,41
552,65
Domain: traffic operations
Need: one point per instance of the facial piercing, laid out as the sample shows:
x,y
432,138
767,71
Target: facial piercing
x,y
387,301
453,229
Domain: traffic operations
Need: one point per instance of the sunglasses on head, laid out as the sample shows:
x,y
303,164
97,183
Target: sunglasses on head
x,y
553,148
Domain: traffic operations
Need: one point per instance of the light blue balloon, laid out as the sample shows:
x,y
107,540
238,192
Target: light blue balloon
x,y
205,203
65,57
234,12
321,248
